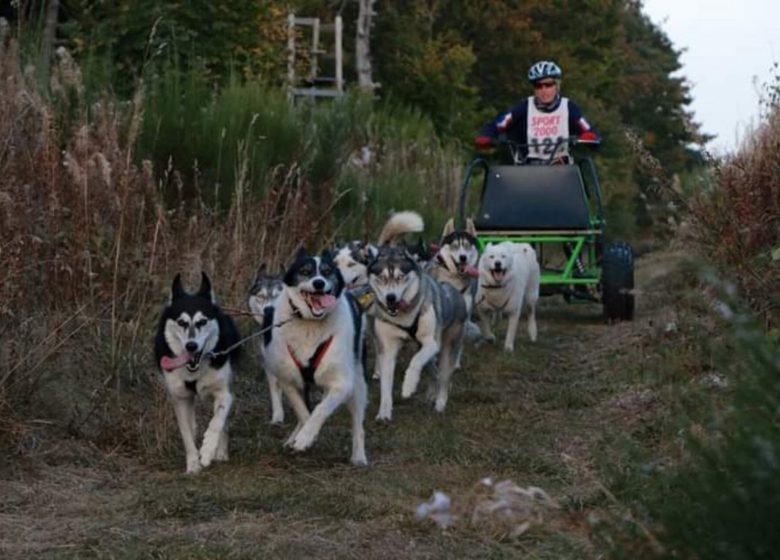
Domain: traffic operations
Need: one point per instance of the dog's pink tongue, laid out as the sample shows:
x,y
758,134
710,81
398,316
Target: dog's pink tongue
x,y
326,301
170,364
471,272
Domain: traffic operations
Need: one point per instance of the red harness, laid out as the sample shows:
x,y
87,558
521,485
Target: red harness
x,y
307,371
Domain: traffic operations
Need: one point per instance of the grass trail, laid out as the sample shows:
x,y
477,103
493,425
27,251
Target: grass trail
x,y
563,414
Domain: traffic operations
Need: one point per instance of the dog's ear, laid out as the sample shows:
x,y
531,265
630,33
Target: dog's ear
x,y
449,227
205,287
262,270
177,290
470,229
302,252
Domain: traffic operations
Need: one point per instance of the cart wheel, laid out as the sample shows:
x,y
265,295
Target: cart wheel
x,y
617,281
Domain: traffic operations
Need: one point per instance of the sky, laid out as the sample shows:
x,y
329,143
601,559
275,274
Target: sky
x,y
729,51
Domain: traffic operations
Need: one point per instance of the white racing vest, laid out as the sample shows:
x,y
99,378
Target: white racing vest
x,y
547,129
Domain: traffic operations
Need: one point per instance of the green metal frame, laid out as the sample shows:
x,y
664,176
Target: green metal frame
x,y
581,243
550,276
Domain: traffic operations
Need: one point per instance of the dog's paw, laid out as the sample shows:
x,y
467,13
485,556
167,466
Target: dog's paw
x,y
193,465
205,459
221,454
509,348
291,438
209,447
303,440
359,460
410,385
277,420
441,404
384,417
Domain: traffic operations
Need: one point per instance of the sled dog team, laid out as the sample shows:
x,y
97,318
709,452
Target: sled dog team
x,y
317,318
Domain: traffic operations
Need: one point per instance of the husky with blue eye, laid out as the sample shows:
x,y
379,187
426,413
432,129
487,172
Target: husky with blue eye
x,y
194,349
315,337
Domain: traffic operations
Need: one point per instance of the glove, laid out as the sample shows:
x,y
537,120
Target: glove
x,y
484,142
588,137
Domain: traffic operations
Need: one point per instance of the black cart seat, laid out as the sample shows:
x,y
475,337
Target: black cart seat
x,y
533,197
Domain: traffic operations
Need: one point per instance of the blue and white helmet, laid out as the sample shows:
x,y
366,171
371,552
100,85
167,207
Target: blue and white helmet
x,y
544,69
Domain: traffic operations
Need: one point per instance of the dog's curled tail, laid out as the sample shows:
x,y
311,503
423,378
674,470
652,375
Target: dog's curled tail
x,y
399,224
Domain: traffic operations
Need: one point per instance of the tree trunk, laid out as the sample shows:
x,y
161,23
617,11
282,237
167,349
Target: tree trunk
x,y
50,28
363,46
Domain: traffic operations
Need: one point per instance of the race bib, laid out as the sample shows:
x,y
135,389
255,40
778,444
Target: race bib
x,y
547,132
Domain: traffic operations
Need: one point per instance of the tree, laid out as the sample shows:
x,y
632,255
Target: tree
x,y
363,46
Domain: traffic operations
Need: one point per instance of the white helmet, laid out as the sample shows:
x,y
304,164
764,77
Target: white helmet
x,y
544,69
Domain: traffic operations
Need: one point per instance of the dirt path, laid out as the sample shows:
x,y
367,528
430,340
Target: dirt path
x,y
549,416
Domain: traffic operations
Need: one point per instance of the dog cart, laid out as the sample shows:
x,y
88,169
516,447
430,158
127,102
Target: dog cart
x,y
558,210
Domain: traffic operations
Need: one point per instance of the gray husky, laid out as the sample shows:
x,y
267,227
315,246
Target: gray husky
x,y
263,295
457,258
411,305
195,348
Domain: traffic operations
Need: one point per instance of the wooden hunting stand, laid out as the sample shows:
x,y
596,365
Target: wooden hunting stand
x,y
313,84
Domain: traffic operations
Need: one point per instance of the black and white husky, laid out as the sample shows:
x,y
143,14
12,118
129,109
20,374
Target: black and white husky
x,y
317,339
263,295
194,349
411,305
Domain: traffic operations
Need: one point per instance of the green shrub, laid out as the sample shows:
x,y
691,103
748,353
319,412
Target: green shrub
x,y
721,501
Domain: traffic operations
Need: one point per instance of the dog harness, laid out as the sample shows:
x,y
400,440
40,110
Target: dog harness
x,y
411,330
458,273
307,371
495,287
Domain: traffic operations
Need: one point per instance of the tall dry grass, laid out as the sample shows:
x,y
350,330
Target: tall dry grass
x,y
737,220
88,249
92,231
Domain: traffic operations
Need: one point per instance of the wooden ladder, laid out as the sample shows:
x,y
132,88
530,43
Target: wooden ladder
x,y
315,85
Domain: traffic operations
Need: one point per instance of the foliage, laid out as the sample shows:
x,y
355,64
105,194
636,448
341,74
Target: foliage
x,y
457,62
216,37
720,501
357,160
723,503
736,217
426,66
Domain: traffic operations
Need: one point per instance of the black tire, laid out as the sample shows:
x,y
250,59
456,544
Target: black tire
x,y
617,282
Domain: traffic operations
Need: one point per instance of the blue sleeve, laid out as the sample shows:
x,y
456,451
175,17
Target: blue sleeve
x,y
515,117
578,123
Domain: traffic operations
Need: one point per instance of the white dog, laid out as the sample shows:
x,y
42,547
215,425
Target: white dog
x,y
508,280
315,336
